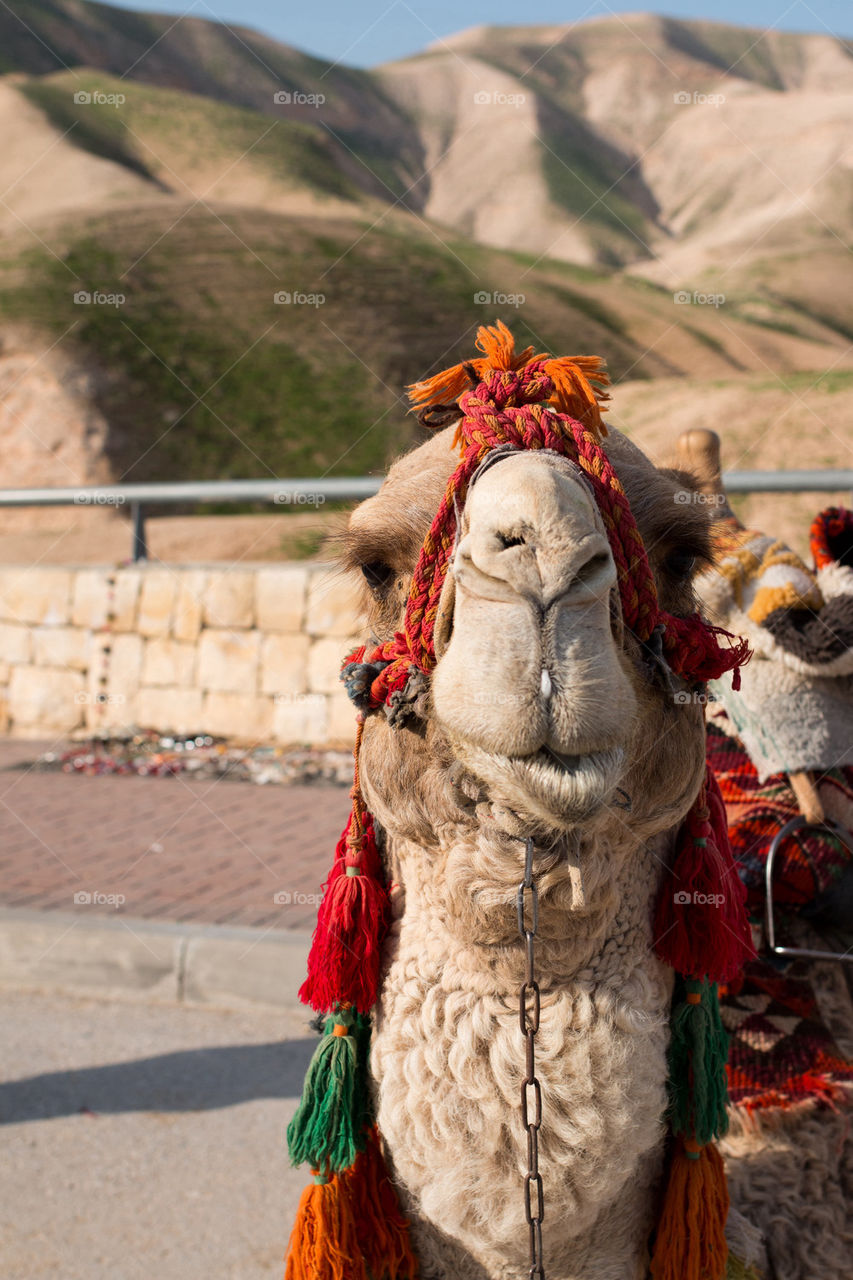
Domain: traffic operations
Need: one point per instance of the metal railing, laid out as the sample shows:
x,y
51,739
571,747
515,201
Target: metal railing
x,y
297,493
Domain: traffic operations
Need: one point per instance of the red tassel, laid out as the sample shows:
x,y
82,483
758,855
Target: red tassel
x,y
701,927
693,649
690,1242
345,956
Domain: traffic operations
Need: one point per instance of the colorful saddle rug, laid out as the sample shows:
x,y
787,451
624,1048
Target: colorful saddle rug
x,y
782,1055
808,862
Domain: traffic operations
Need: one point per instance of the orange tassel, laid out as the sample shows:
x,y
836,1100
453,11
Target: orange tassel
x,y
324,1241
352,1227
690,1243
579,381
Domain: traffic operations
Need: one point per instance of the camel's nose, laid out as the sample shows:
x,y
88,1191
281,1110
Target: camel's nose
x,y
532,529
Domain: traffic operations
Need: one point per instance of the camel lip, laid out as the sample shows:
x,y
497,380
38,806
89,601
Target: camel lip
x,y
570,764
591,762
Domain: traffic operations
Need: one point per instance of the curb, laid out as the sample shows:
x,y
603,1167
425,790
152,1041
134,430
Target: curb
x,y
153,960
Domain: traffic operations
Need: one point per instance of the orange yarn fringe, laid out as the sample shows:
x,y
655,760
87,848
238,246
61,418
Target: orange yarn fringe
x,y
690,1243
579,381
351,1227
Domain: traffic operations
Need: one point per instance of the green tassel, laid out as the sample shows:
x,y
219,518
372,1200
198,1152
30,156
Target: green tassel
x,y
698,1051
329,1126
738,1270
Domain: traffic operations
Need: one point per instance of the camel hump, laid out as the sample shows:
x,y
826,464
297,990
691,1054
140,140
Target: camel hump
x,y
698,451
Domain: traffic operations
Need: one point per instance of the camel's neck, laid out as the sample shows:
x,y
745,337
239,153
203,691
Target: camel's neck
x,y
595,902
448,1056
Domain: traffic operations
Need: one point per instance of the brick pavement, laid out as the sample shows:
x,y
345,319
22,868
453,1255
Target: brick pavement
x,y
211,851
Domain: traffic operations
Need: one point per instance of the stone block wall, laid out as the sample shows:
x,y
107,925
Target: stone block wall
x,y
248,653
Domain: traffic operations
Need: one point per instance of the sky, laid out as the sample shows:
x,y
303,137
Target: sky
x,y
363,33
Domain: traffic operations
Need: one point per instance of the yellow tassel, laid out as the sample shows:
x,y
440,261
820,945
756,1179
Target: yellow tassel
x,y
324,1242
690,1243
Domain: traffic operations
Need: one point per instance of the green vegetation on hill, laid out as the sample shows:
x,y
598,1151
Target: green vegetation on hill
x,y
580,181
160,132
199,372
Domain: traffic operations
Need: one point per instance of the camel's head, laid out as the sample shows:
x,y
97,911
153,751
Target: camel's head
x,y
542,703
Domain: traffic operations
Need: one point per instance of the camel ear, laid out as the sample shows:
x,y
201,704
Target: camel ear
x,y
698,451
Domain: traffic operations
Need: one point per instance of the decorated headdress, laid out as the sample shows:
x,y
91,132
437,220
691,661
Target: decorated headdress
x,y
349,1224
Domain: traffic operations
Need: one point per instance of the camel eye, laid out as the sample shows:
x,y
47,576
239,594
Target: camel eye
x,y
378,574
681,563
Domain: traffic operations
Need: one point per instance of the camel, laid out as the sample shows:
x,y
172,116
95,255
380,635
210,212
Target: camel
x,y
495,762
791,1171
546,732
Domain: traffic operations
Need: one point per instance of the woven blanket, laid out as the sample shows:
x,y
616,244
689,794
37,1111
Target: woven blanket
x,y
794,708
782,1055
810,860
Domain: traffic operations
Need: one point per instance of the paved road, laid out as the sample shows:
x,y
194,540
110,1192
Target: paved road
x,y
145,1141
215,852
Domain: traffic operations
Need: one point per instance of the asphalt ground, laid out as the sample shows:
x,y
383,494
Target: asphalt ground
x,y
146,1142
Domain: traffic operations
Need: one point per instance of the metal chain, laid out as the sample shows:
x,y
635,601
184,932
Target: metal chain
x,y
528,1017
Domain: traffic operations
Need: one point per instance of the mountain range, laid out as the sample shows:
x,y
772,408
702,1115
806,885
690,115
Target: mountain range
x,y
292,241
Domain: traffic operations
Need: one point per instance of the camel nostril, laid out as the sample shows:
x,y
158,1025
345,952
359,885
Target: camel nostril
x,y
593,566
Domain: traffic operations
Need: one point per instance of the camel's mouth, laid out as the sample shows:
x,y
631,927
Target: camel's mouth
x,y
569,763
569,788
558,789
597,769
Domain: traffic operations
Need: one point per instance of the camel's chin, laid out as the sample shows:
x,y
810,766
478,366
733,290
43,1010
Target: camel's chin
x,y
561,791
